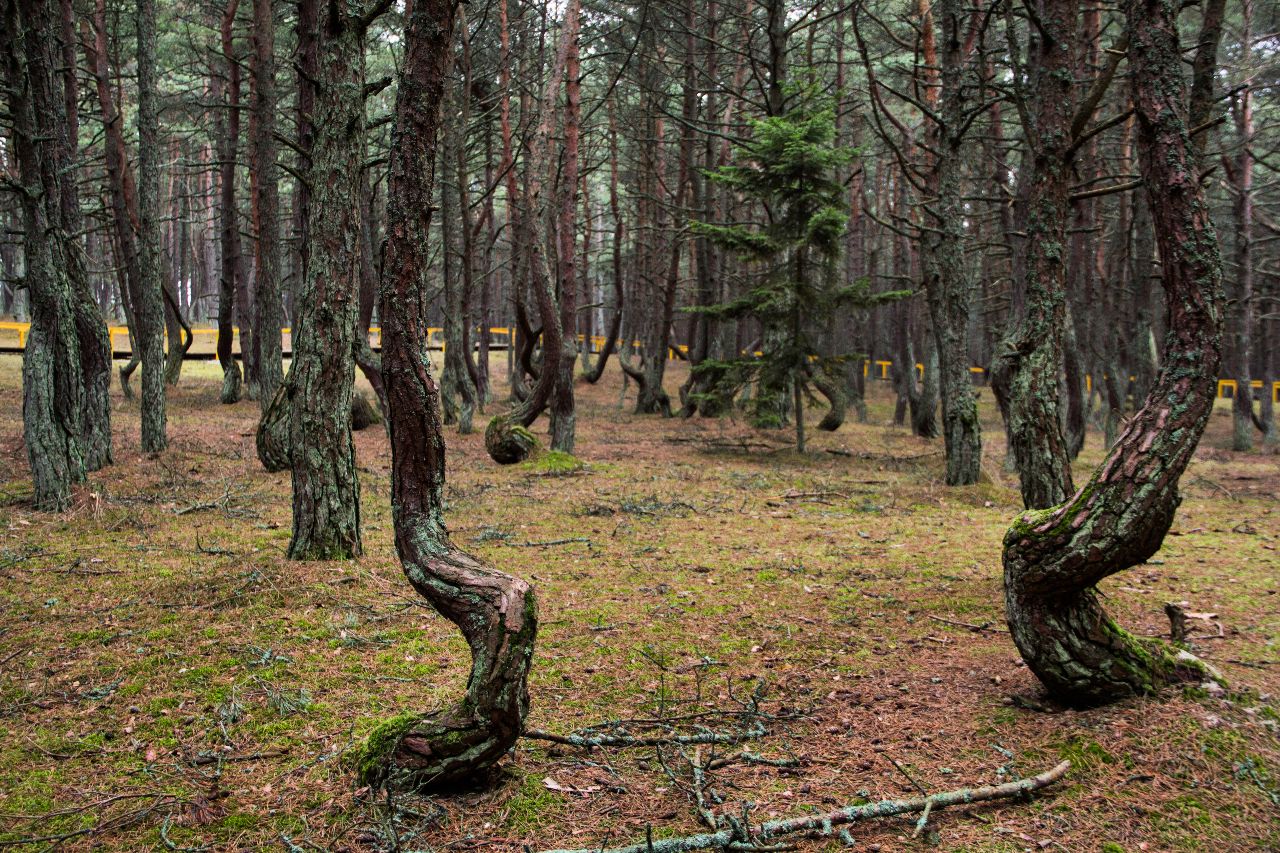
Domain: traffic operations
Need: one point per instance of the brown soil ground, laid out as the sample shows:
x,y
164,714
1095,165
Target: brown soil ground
x,y
168,680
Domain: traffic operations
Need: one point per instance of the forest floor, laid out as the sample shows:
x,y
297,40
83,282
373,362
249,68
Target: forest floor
x,y
168,680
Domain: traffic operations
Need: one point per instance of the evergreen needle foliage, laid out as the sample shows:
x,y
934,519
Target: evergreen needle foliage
x,y
791,167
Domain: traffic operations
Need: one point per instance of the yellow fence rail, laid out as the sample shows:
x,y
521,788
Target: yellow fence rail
x,y
13,336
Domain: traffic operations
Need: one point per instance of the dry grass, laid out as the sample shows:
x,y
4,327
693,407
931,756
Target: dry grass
x,y
168,680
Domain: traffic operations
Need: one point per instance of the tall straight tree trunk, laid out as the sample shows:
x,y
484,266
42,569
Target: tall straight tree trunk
x,y
53,383
615,213
563,418
326,487
264,188
1032,350
495,611
148,301
229,227
457,391
91,330
946,281
1241,319
1054,558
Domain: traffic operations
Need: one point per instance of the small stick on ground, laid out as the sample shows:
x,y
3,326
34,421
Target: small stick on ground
x,y
985,626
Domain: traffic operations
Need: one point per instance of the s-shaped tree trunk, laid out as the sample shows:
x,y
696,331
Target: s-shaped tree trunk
x,y
1054,558
495,611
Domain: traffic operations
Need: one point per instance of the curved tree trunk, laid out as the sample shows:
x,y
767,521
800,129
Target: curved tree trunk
x,y
1054,558
180,335
272,436
507,438
832,386
495,611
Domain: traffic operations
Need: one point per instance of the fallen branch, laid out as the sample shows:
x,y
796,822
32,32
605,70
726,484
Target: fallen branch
x,y
552,542
624,739
740,837
985,626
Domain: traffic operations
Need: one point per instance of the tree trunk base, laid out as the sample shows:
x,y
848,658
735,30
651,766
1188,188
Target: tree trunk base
x,y
231,387
363,413
273,432
508,442
431,752
1084,658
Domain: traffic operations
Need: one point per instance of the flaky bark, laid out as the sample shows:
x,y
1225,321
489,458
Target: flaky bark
x,y
495,611
326,488
148,300
53,386
1054,558
1033,347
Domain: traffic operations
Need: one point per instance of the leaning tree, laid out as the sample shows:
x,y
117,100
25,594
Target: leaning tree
x,y
1054,558
495,611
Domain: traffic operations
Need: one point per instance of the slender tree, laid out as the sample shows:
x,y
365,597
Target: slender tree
x,y
148,301
495,611
229,225
268,370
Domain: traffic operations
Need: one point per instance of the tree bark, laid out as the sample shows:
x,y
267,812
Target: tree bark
x,y
53,383
229,134
946,283
1054,558
495,611
264,188
563,417
1241,319
326,487
1032,350
148,301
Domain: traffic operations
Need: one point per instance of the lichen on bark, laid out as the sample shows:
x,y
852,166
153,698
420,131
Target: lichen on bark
x,y
1054,559
496,612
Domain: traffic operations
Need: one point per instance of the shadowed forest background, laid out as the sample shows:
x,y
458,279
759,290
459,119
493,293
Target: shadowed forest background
x,y
909,468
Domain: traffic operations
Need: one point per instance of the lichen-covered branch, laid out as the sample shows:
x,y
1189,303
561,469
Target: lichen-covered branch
x,y
739,836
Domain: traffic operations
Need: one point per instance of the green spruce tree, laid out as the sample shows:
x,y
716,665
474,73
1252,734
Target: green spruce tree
x,y
790,169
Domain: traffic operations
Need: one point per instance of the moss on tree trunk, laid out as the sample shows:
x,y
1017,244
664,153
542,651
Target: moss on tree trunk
x,y
495,611
1054,558
326,488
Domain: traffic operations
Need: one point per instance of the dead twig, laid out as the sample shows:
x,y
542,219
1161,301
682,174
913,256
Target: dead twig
x,y
985,626
740,837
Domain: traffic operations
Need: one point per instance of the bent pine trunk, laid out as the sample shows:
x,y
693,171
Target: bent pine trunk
x,y
495,611
1054,558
